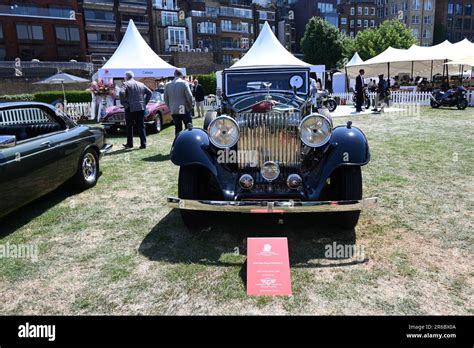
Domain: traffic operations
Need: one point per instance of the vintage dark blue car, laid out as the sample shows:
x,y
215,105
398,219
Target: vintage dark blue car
x,y
268,149
40,149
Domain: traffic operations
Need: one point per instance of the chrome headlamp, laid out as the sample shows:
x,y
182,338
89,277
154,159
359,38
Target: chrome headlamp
x,y
223,132
315,130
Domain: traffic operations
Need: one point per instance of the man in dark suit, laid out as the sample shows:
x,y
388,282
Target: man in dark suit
x,y
360,90
134,96
198,94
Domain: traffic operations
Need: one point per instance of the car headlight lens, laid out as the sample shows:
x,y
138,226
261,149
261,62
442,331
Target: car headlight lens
x,y
315,130
223,132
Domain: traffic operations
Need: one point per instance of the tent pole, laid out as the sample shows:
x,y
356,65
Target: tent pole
x,y
346,80
431,73
64,94
447,73
388,71
412,69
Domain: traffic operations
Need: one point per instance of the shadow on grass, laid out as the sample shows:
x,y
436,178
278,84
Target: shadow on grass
x,y
170,241
22,216
158,158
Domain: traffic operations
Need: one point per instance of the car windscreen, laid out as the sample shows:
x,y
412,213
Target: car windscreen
x,y
237,83
156,97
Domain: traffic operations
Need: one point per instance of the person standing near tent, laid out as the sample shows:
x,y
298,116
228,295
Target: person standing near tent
x,y
198,93
179,99
134,96
359,87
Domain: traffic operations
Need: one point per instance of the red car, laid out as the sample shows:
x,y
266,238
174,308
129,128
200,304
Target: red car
x,y
157,115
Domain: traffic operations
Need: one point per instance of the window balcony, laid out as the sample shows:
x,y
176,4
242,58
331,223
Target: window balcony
x,y
171,22
98,4
36,12
232,46
235,12
235,28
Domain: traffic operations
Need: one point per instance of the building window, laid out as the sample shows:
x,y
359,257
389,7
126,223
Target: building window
x,y
372,11
428,5
169,18
164,4
394,9
352,11
226,25
458,9
100,37
359,11
467,23
352,23
468,10
67,34
176,36
416,33
3,53
416,5
244,43
359,23
458,23
450,8
366,11
95,15
29,32
227,58
415,19
426,34
343,31
351,34
325,7
206,28
366,23
343,20
372,23
427,19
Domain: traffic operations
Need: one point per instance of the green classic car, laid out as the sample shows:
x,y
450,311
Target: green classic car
x,y
40,149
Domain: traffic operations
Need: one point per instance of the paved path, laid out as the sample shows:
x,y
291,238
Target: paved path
x,y
349,110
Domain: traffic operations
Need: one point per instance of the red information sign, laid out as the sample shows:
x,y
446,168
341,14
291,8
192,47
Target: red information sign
x,y
268,267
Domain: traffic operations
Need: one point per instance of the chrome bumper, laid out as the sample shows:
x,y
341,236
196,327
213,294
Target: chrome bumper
x,y
105,148
273,206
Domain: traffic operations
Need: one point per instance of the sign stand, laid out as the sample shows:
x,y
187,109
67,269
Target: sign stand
x,y
268,267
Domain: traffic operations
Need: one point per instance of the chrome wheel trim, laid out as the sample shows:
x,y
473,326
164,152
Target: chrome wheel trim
x,y
158,124
89,167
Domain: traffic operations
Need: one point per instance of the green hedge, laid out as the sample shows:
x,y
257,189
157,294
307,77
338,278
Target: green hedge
x,y
208,83
71,96
17,97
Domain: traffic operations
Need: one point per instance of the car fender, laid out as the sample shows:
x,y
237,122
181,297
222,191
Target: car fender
x,y
349,146
190,148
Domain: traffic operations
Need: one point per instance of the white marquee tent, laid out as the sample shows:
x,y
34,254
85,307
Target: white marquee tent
x,y
352,67
417,60
134,54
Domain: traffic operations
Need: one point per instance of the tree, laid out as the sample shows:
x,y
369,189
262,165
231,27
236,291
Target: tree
x,y
322,43
373,41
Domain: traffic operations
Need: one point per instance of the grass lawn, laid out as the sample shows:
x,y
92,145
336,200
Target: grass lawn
x,y
118,249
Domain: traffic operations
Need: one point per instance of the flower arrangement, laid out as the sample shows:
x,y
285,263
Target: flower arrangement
x,y
100,88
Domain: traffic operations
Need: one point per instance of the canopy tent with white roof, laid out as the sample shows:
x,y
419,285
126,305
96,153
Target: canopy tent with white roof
x,y
267,52
351,67
417,60
134,54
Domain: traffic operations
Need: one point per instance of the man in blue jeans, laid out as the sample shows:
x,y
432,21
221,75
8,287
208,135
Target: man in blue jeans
x,y
179,99
134,96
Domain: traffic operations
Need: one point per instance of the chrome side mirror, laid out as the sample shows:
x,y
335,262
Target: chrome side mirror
x,y
7,141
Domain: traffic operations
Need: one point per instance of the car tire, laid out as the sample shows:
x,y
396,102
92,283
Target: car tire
x,y
347,181
434,104
462,104
155,127
189,187
87,171
331,105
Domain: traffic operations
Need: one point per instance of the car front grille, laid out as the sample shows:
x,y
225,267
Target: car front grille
x,y
118,117
268,137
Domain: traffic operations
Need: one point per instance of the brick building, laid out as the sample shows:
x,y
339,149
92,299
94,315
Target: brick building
x,y
419,15
454,20
46,30
105,23
357,15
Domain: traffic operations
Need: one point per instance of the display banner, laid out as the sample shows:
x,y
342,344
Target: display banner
x,y
268,267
